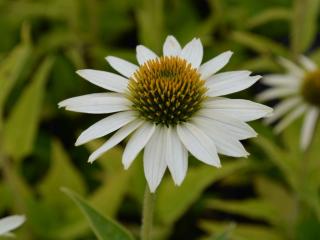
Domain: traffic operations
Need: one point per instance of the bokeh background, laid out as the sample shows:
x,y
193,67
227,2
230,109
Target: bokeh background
x,y
272,195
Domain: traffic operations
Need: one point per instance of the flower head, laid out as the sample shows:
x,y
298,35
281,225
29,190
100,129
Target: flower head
x,y
299,91
10,223
171,105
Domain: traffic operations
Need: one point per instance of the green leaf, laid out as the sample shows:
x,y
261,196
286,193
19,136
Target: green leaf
x,y
225,235
21,126
113,189
62,173
115,180
282,159
173,201
19,191
103,227
252,208
5,197
243,231
272,14
137,181
150,23
280,200
314,163
260,64
10,69
304,24
308,228
258,43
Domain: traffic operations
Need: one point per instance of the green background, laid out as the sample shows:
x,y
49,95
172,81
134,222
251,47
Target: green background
x,y
271,195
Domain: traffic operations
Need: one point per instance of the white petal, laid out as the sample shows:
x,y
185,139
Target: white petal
x,y
136,143
279,80
106,80
229,82
122,66
291,67
308,127
307,63
274,93
97,103
241,109
290,118
225,143
176,155
106,126
115,139
214,65
144,54
198,144
236,128
193,52
154,159
171,47
10,223
282,108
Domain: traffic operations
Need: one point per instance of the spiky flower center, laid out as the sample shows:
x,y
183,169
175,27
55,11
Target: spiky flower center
x,y
311,88
166,91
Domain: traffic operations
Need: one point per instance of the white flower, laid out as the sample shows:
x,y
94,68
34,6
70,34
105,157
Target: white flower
x,y
171,105
299,91
10,223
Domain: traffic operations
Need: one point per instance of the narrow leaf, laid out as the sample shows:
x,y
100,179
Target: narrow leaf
x,y
304,24
150,17
115,181
61,173
173,201
258,43
268,15
10,69
243,231
21,126
252,208
225,234
104,228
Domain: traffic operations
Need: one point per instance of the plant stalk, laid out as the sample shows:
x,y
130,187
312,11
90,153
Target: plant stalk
x,y
147,214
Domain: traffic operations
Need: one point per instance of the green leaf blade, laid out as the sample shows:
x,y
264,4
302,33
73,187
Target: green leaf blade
x,y
104,228
304,24
173,201
10,69
21,126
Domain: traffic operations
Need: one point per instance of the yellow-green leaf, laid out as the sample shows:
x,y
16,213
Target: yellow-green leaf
x,y
243,231
62,173
258,43
304,24
150,23
21,126
251,208
272,14
104,228
10,69
173,201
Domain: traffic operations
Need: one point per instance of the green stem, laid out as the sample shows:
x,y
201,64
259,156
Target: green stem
x,y
147,214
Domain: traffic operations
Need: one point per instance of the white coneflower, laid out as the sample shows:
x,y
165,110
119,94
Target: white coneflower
x,y
10,223
299,91
172,104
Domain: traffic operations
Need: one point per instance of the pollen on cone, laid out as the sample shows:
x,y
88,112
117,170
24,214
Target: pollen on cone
x,y
167,90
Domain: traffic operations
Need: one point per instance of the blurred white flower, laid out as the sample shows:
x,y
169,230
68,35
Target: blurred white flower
x,y
172,104
299,92
10,223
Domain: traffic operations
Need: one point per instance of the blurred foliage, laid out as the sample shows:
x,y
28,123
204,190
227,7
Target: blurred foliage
x,y
272,195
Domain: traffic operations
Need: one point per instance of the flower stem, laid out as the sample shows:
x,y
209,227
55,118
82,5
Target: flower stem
x,y
147,214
